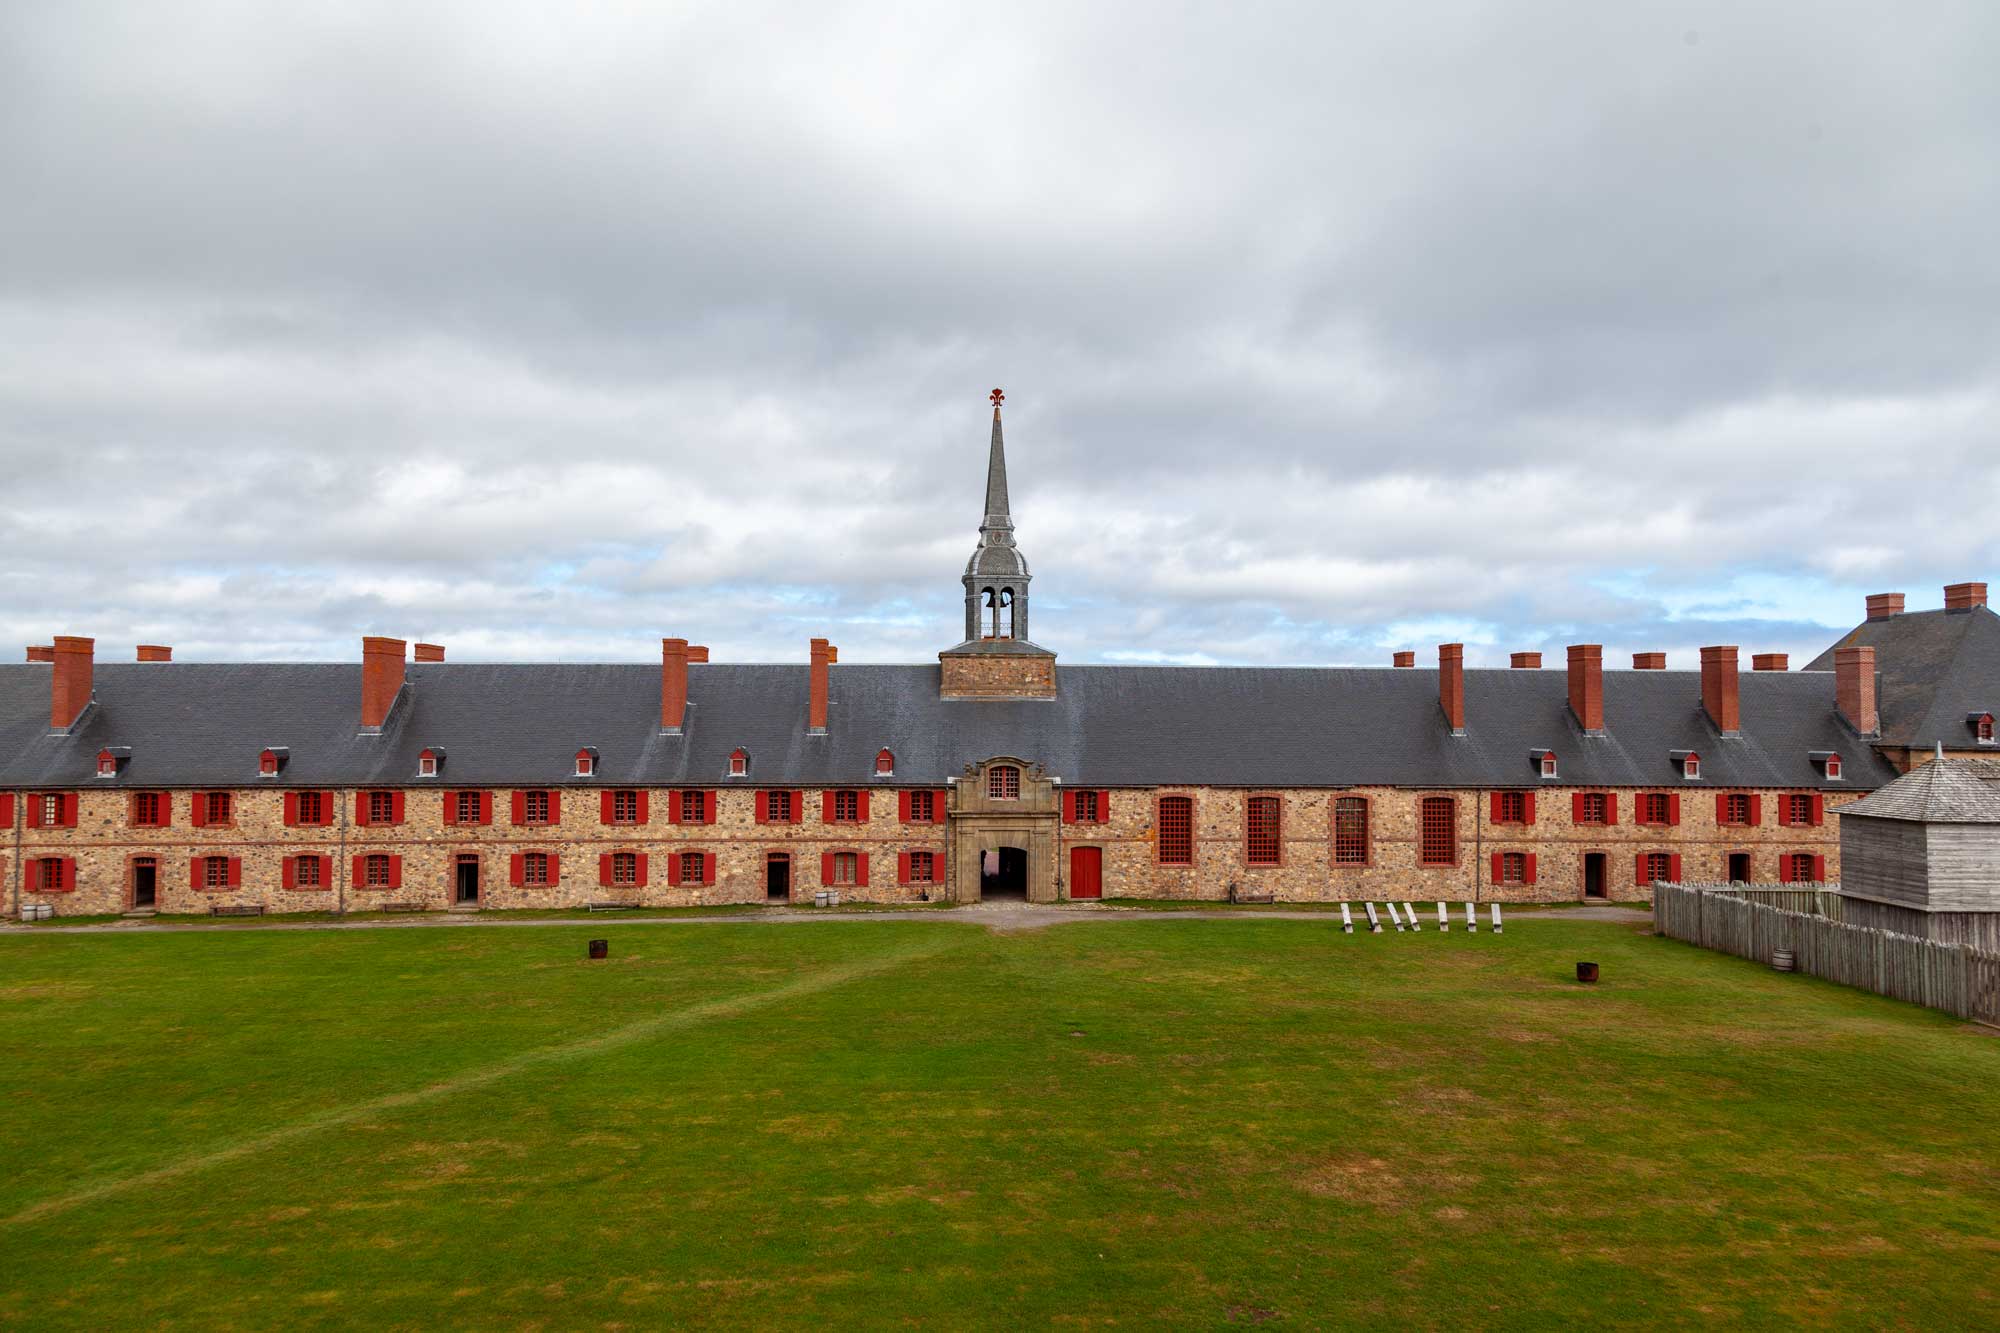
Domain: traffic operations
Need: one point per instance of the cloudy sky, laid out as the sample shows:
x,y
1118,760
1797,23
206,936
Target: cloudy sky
x,y
546,330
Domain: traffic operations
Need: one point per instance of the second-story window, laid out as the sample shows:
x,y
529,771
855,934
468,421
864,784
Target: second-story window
x,y
52,810
1003,782
1799,808
465,806
694,807
846,807
1510,807
535,807
1655,808
216,806
312,807
149,809
1593,807
381,807
1736,808
778,807
1086,806
923,807
625,808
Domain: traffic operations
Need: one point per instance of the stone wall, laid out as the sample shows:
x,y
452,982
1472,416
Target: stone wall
x,y
997,675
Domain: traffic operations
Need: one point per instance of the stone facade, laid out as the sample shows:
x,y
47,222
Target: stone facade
x,y
103,845
976,675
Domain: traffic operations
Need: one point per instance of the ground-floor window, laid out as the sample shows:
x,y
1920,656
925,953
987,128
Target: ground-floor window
x,y
1659,867
923,867
1176,830
624,868
1513,868
534,867
1438,828
1261,834
845,865
1350,831
306,872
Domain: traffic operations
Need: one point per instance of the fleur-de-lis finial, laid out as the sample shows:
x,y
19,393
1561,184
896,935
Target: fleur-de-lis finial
x,y
997,397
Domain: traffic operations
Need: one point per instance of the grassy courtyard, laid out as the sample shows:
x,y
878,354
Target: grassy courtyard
x,y
1139,1122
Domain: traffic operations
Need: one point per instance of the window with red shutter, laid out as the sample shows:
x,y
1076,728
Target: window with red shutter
x,y
923,868
306,872
846,807
1510,807
535,868
923,805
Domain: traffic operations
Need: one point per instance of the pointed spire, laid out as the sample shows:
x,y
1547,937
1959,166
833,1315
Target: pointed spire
x,y
998,517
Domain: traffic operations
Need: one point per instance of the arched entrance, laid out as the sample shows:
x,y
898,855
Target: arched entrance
x,y
1003,873
1004,835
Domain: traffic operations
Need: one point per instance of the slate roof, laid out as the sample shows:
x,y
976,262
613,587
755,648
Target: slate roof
x,y
1944,791
193,724
1935,668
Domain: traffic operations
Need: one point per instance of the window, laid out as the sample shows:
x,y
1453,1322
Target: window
x,y
1350,831
534,807
215,872
1984,731
1833,768
1548,764
625,807
694,807
107,765
1003,782
847,807
306,873
845,868
312,807
739,763
215,807
1261,831
923,807
1088,810
1691,767
1801,868
586,764
1736,808
381,807
52,810
535,868
149,809
1513,868
923,867
885,763
1655,808
52,874
1799,808
1438,830
465,807
375,871
778,807
1592,807
427,765
625,868
1659,867
267,763
1177,830
1510,807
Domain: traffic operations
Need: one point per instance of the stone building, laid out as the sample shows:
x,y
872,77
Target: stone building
x,y
173,786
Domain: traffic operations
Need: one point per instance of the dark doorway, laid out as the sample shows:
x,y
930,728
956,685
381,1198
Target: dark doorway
x,y
1086,872
1004,874
1739,867
466,881
778,877
1593,874
145,883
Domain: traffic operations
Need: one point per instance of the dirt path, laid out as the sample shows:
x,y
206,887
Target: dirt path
x,y
1005,917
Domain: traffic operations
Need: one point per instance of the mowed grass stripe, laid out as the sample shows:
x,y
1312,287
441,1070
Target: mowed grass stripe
x,y
640,1030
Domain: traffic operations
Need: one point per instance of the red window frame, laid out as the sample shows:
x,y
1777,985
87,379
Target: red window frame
x,y
885,763
1351,845
1510,807
214,872
1659,867
377,870
217,807
1263,830
381,807
1513,868
535,869
1003,783
1593,808
306,873
1984,732
465,806
267,764
529,800
51,874
779,806
1176,831
1735,809
1086,807
624,869
846,869
625,807
694,807
846,807
310,807
739,763
1654,808
1437,831
923,807
151,809
923,867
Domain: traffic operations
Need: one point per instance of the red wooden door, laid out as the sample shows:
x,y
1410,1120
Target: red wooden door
x,y
1086,872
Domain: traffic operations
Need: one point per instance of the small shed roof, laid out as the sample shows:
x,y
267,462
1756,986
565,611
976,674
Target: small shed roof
x,y
1944,791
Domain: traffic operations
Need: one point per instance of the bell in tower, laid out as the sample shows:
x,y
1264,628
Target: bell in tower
x,y
997,659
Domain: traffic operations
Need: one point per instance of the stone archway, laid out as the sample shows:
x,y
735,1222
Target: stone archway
x,y
992,810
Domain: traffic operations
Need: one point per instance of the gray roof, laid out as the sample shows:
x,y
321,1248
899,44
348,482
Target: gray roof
x,y
1935,667
191,724
1943,791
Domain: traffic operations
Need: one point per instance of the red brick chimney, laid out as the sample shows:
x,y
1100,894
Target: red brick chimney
x,y
1451,685
41,653
1964,596
69,684
1854,688
428,652
1770,662
381,678
697,653
1586,685
1402,659
1525,661
1719,693
1649,661
673,683
155,652
824,655
1882,605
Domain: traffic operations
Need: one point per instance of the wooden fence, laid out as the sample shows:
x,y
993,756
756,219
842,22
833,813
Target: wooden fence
x,y
1812,899
1951,977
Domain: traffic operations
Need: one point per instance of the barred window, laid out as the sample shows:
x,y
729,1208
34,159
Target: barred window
x,y
1659,867
215,872
1003,782
923,867
1177,830
847,807
624,868
778,807
692,867
215,807
534,867
923,807
149,809
535,807
305,872
1438,828
381,807
1350,831
52,809
52,873
1086,807
1513,868
375,870
465,807
1801,867
1736,808
1594,808
694,807
312,807
1262,832
845,868
1801,808
1655,808
1513,808
624,807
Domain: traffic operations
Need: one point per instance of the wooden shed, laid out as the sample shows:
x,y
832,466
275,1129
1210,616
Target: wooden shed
x,y
1921,856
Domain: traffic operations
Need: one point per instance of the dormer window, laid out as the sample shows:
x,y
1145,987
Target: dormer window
x,y
429,762
1689,764
586,762
108,761
1827,762
1833,768
1544,762
739,763
1003,782
271,761
885,763
1982,727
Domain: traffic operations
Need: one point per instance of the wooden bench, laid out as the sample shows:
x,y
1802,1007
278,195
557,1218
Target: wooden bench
x,y
236,909
609,907
405,907
1252,896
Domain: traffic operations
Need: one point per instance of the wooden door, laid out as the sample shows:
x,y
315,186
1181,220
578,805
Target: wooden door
x,y
1086,872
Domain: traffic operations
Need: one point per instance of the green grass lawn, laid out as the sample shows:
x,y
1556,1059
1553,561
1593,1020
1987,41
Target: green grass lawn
x,y
1151,1122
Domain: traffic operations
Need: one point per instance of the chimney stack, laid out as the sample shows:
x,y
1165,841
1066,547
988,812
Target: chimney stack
x,y
1854,688
674,656
1649,661
381,679
1770,662
155,652
697,653
1451,685
41,653
69,684
1719,693
428,652
1402,659
1882,605
1964,596
824,655
1586,685
1525,661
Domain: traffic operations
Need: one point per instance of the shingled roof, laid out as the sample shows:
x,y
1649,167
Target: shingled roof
x,y
1944,791
1936,667
195,724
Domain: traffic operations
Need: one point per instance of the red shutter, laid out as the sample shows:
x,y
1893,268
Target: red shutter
x,y
674,806
235,872
360,807
1674,808
763,807
644,817
1493,802
798,807
861,869
1722,807
1496,869
708,867
673,868
32,880
861,803
903,867
291,820
1818,809
604,867
555,868
604,804
1529,802
1103,808
1675,867
1756,810
1639,869
1069,807
1819,869
288,873
520,810
1529,875
198,813
360,872
451,807
903,806
826,807
194,872
34,810
640,876
1611,807
826,868
486,807
6,809
395,872
514,875
395,807
1576,807
69,810
1785,868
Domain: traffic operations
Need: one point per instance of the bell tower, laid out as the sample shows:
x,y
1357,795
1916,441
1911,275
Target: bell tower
x,y
997,659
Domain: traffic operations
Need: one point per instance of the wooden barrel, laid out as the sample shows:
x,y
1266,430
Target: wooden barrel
x,y
1586,973
600,948
1782,960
